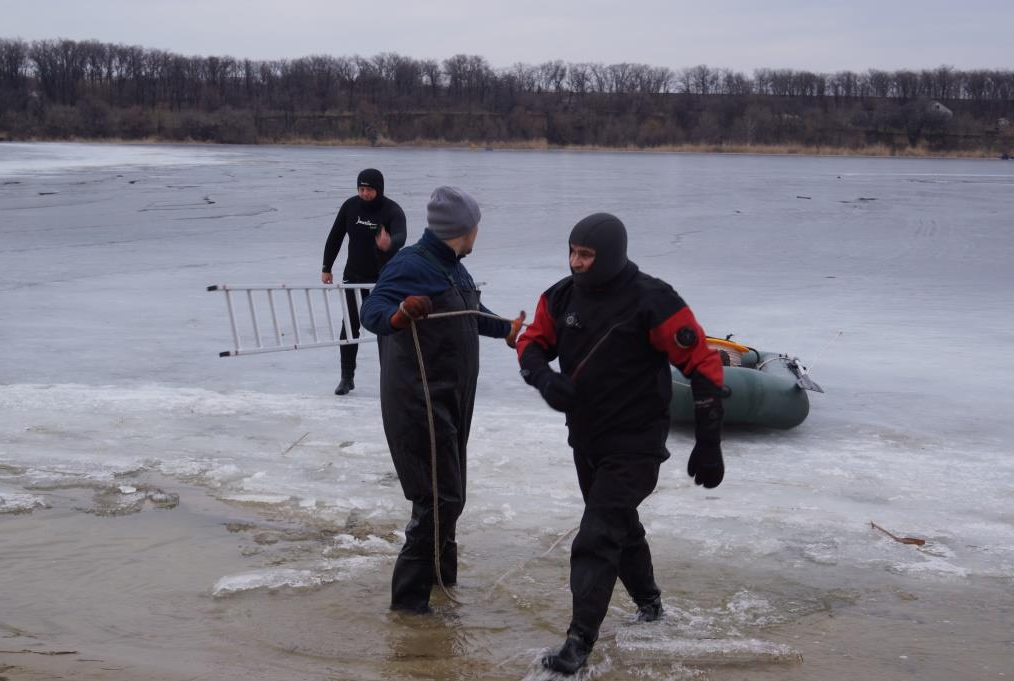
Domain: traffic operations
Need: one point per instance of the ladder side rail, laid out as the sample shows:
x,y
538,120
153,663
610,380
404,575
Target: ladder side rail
x,y
346,322
274,318
327,312
253,318
292,314
300,346
232,319
313,318
357,296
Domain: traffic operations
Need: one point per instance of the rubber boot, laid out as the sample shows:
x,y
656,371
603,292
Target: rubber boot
x,y
411,583
347,384
570,657
650,611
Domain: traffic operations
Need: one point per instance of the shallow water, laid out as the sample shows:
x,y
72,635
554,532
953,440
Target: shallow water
x,y
134,592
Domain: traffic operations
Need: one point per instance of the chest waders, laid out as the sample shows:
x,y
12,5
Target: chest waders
x,y
427,413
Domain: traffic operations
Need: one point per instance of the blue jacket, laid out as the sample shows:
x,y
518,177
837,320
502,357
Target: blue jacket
x,y
410,273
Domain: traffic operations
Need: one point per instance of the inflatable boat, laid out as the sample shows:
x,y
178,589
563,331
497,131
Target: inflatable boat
x,y
763,388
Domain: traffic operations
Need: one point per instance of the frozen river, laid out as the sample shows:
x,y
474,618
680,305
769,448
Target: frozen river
x,y
890,277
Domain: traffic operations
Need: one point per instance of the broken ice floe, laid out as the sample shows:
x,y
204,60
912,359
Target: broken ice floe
x,y
14,502
127,499
708,651
271,579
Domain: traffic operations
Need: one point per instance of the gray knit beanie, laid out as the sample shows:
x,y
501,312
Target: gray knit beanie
x,y
451,212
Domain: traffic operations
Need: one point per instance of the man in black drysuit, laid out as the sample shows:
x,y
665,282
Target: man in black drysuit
x,y
616,330
375,226
428,278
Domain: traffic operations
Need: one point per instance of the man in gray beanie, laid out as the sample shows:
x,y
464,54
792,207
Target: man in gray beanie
x,y
422,279
451,212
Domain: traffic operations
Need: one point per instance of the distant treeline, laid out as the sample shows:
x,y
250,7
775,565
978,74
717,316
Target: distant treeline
x,y
66,88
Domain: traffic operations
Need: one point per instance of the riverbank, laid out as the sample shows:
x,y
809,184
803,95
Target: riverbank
x,y
872,151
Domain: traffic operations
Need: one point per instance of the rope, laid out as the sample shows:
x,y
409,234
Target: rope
x,y
433,436
521,566
477,313
826,347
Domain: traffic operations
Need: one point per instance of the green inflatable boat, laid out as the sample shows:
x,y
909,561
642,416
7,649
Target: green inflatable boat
x,y
765,388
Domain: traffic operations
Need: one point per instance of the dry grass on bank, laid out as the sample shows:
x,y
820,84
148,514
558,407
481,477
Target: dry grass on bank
x,y
920,151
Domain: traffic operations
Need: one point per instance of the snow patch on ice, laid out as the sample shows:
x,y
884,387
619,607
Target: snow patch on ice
x,y
370,545
930,565
58,157
186,467
269,499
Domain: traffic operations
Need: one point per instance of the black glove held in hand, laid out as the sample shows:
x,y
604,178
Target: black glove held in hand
x,y
556,389
705,465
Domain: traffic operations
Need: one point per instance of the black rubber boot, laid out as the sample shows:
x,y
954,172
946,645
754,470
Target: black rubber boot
x,y
570,657
345,386
411,582
650,612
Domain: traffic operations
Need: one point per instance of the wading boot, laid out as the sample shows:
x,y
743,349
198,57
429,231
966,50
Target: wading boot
x,y
570,657
346,385
650,611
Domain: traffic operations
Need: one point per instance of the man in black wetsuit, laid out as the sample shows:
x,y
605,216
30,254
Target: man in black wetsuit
x,y
375,226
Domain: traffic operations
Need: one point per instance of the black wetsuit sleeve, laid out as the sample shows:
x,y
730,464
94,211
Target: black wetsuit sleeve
x,y
335,238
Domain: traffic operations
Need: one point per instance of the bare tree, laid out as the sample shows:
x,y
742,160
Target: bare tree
x,y
14,65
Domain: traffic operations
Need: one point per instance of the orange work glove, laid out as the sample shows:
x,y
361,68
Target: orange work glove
x,y
512,337
413,307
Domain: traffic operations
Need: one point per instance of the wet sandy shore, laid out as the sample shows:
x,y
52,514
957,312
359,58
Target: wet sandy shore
x,y
94,588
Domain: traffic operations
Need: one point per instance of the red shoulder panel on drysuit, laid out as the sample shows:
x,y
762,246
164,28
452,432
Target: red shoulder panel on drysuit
x,y
698,357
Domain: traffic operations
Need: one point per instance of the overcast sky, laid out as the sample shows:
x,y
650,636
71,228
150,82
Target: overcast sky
x,y
819,35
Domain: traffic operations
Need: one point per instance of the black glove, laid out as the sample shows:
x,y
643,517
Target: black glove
x,y
556,389
705,465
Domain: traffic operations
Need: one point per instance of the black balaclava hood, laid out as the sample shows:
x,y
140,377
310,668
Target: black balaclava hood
x,y
374,179
607,235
